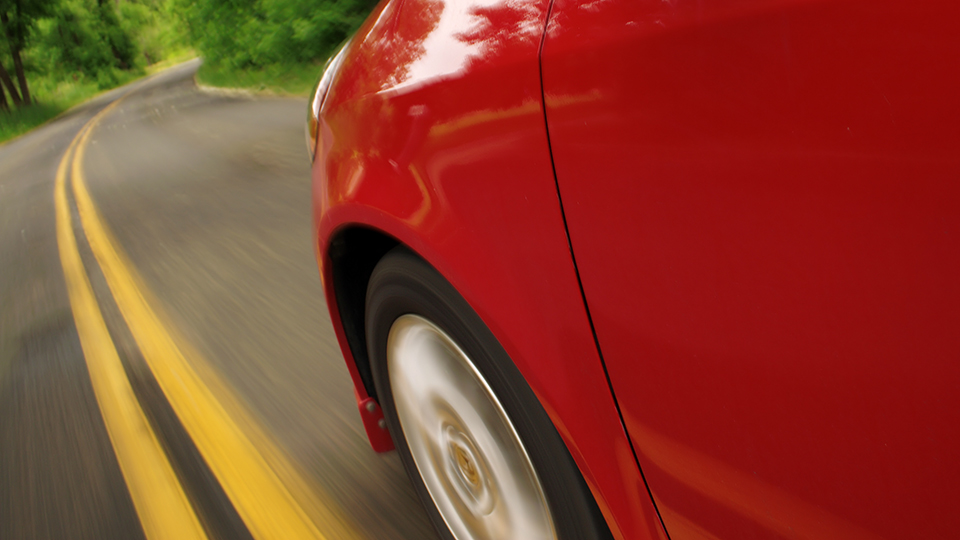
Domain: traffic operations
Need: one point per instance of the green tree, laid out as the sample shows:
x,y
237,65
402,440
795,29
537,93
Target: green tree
x,y
86,37
17,18
6,81
255,33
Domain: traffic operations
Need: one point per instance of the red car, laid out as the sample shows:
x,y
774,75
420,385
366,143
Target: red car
x,y
683,269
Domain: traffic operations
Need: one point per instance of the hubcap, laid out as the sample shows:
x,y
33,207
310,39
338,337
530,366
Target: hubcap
x,y
465,447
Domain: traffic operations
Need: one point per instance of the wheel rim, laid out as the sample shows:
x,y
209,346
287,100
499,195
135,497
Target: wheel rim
x,y
465,447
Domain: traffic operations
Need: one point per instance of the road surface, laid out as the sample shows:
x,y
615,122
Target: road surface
x,y
167,364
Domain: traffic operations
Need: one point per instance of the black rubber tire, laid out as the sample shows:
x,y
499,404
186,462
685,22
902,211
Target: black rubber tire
x,y
403,283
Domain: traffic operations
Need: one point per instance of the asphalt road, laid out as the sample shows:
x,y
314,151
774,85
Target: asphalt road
x,y
207,196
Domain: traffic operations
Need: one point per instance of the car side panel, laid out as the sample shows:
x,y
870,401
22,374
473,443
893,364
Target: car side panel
x,y
763,198
433,133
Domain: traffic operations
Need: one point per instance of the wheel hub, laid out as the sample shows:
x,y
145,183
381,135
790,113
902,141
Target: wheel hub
x,y
467,474
465,447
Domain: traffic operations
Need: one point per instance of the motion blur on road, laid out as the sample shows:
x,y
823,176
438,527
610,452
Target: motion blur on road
x,y
208,196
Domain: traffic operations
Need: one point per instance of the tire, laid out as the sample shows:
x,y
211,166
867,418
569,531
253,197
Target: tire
x,y
481,451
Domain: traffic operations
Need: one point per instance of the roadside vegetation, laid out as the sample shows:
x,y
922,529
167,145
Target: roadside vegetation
x,y
55,54
273,45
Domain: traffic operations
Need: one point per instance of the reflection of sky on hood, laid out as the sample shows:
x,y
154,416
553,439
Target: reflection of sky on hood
x,y
443,54
446,51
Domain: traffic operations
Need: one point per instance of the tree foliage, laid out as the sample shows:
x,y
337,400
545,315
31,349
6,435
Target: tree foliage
x,y
257,33
101,42
85,37
98,41
17,19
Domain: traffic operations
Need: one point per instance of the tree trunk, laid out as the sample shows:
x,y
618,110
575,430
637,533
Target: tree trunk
x,y
15,45
3,100
21,76
6,81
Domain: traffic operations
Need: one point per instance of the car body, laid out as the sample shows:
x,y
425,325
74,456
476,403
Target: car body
x,y
718,239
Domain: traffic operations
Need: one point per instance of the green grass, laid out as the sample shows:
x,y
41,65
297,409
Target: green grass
x,y
16,122
52,98
286,79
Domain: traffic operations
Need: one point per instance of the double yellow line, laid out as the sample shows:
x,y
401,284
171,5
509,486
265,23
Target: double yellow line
x,y
266,490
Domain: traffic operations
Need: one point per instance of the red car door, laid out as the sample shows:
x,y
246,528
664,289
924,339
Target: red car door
x,y
763,199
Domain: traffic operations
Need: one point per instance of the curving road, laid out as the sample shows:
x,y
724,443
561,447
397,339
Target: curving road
x,y
199,389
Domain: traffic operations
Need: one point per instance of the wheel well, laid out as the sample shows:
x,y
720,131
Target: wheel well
x,y
354,252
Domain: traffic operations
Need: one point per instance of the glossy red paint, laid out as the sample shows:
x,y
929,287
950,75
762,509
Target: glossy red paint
x,y
763,198
372,416
433,133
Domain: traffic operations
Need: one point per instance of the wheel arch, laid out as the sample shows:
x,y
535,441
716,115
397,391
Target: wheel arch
x,y
354,237
353,252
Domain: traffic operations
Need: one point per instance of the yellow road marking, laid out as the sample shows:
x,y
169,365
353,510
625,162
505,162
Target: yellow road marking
x,y
162,506
265,488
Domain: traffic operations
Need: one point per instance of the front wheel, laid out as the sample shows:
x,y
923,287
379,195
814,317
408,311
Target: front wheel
x,y
478,446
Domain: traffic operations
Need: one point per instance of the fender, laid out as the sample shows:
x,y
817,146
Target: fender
x,y
433,133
